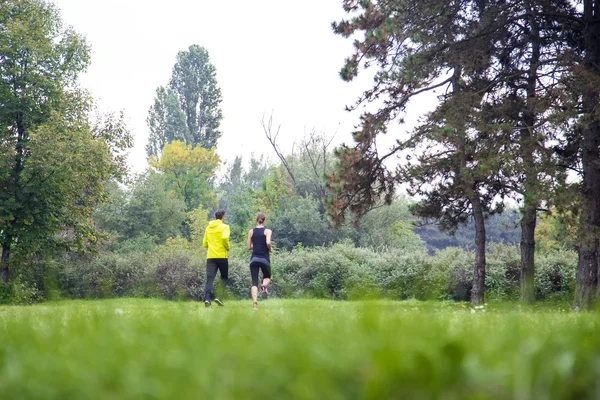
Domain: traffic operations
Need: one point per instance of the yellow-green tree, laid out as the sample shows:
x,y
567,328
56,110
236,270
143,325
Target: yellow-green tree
x,y
189,172
197,221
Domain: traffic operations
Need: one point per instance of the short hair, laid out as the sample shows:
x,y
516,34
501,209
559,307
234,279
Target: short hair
x,y
219,214
260,218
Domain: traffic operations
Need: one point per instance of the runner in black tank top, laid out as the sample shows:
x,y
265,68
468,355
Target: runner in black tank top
x,y
259,241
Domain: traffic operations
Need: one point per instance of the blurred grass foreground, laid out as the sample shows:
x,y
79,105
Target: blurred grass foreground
x,y
297,349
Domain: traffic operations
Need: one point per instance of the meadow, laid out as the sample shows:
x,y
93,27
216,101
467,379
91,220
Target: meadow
x,y
297,349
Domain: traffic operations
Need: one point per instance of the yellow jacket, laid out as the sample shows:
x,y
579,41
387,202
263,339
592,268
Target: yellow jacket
x,y
216,239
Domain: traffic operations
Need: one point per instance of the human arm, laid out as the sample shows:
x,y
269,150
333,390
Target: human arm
x,y
205,240
249,240
268,234
225,238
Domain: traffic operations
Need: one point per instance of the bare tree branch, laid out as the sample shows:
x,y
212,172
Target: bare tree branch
x,y
272,137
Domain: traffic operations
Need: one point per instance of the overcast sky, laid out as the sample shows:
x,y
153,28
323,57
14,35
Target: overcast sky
x,y
269,55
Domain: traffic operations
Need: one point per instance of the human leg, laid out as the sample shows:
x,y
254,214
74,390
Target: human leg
x,y
223,266
266,271
254,267
211,273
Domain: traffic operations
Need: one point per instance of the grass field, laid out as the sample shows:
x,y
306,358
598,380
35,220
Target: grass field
x,y
297,349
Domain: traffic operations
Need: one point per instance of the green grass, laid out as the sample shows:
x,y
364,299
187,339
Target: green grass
x,y
300,349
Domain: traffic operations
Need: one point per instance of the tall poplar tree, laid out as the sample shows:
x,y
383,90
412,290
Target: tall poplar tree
x,y
188,110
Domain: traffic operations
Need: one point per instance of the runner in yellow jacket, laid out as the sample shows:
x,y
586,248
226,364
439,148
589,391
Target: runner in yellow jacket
x,y
216,240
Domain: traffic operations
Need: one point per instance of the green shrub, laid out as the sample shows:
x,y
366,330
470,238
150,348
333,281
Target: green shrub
x,y
503,272
176,270
404,275
140,244
133,275
555,275
18,293
178,274
86,276
452,274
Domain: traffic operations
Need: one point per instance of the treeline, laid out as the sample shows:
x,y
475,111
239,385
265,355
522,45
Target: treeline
x,y
517,84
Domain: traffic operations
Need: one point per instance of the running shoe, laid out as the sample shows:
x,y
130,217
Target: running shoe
x,y
255,305
219,302
207,304
264,292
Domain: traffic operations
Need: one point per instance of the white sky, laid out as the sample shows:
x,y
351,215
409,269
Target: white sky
x,y
269,55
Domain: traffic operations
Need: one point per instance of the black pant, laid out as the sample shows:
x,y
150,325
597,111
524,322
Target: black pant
x,y
212,265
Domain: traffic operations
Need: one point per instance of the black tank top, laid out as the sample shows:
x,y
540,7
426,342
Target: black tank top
x,y
259,244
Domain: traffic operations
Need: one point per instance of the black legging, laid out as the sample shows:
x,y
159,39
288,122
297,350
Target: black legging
x,y
255,266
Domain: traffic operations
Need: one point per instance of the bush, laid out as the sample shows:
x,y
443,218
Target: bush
x,y
141,244
85,276
337,272
452,274
555,275
178,274
403,275
133,275
176,270
503,272
18,293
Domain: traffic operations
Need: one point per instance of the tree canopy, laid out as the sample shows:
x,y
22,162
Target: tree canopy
x,y
55,157
188,109
516,78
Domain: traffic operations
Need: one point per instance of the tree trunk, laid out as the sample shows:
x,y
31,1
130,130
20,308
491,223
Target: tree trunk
x,y
528,151
588,266
528,252
4,262
477,294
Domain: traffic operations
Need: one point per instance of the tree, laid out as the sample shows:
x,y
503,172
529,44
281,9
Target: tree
x,y
307,165
525,111
145,208
237,194
389,227
166,122
189,172
503,62
189,109
587,74
55,161
500,228
420,48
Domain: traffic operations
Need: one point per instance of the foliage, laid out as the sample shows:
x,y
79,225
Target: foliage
x,y
55,160
166,121
19,293
555,275
499,228
496,127
189,173
238,192
197,221
144,209
189,109
176,270
274,191
389,226
556,231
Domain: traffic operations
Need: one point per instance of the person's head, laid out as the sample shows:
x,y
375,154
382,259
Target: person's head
x,y
220,214
260,218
